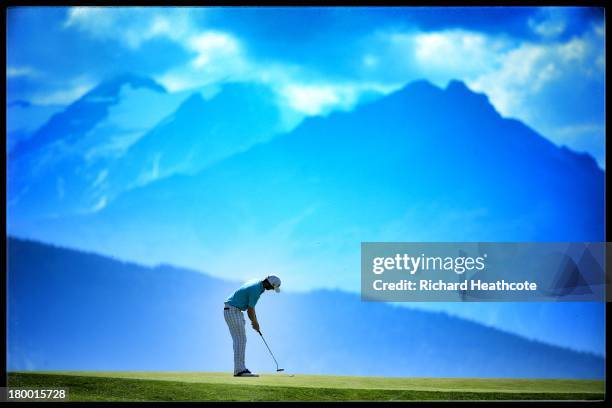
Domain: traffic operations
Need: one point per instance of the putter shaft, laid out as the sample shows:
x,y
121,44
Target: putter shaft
x,y
268,347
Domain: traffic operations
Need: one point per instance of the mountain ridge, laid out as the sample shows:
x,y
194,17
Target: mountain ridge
x,y
455,87
144,308
89,108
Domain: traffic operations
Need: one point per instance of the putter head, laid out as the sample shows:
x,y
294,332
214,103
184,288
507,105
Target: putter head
x,y
280,369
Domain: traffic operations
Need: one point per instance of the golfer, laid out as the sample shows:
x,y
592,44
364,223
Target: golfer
x,y
245,298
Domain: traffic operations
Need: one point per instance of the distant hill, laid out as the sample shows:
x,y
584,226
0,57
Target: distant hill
x,y
80,311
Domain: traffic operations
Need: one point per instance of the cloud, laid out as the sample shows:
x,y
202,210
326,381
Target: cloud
x,y
549,22
216,56
220,56
311,99
537,82
530,77
585,137
99,205
466,52
550,86
130,25
320,98
522,71
102,175
15,72
209,44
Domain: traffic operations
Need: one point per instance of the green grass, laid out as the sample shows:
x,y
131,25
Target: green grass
x,y
196,386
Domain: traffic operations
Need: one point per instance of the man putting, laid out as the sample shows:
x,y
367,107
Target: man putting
x,y
245,298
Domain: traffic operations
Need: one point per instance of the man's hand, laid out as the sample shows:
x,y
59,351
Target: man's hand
x,y
255,326
253,317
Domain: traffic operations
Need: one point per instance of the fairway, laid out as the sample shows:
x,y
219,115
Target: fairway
x,y
199,386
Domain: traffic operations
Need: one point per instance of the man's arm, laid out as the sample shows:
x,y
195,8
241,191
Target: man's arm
x,y
253,317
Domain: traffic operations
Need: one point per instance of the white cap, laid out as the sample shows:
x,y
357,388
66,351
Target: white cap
x,y
275,282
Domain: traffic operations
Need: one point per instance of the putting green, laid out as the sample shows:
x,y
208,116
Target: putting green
x,y
199,386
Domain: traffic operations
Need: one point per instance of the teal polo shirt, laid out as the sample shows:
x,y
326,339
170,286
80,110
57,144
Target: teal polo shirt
x,y
247,295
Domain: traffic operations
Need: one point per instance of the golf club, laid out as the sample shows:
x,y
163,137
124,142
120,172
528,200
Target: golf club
x,y
276,362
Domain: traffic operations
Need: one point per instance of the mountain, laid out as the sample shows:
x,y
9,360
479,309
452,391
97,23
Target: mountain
x,y
421,164
81,116
49,170
70,310
201,132
127,131
23,118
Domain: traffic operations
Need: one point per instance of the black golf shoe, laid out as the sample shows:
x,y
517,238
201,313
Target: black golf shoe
x,y
246,373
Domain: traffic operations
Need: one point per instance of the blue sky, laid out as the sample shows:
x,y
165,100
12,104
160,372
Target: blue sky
x,y
545,66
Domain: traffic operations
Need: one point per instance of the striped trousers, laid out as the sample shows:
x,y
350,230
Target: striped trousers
x,y
235,322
